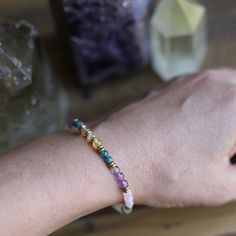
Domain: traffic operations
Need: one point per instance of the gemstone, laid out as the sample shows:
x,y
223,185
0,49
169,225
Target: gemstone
x,y
107,37
104,154
123,183
15,62
119,176
36,106
178,38
115,170
77,123
108,160
129,200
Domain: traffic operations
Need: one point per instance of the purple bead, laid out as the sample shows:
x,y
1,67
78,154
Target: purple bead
x,y
119,176
115,170
123,183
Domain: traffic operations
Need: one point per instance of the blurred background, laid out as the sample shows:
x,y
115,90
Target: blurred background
x,y
87,59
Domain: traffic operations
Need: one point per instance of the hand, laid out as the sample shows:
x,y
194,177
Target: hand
x,y
176,144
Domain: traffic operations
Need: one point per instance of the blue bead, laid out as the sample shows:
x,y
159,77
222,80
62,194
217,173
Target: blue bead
x,y
108,160
77,123
104,154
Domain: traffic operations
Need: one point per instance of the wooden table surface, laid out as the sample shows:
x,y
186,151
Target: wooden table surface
x,y
216,221
113,95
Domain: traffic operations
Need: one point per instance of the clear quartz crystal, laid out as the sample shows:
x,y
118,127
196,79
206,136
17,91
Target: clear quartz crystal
x,y
178,38
28,107
16,52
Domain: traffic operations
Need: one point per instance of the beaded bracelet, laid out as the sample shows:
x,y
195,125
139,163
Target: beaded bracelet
x,y
128,204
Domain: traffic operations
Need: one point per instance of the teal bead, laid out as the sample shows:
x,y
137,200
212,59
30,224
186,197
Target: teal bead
x,y
104,154
77,123
108,160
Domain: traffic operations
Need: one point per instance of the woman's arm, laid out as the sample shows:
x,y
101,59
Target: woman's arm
x,y
174,147
51,182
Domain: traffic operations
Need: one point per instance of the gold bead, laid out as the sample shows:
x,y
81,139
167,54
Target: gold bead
x,y
101,148
125,190
90,136
96,143
113,164
84,130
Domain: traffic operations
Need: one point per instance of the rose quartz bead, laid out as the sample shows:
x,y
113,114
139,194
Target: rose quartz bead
x,y
129,199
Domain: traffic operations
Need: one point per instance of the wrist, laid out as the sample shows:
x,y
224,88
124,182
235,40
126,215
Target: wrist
x,y
116,139
97,145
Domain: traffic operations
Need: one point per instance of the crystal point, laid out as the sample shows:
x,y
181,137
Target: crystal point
x,y
16,52
178,38
28,108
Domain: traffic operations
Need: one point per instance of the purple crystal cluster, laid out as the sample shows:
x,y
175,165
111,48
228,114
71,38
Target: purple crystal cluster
x,y
108,37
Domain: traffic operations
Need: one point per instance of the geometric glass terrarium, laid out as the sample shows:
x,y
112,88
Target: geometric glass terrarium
x,y
178,38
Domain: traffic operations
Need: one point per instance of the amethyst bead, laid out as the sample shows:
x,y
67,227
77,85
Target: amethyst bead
x,y
119,176
123,183
115,170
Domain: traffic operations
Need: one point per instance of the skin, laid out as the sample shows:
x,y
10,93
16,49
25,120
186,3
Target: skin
x,y
174,148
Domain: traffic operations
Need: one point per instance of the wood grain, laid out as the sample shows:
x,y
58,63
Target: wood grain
x,y
216,221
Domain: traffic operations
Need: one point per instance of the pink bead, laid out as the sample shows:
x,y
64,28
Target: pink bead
x,y
129,200
128,195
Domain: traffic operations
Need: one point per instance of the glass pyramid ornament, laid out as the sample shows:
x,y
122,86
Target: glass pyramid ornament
x,y
178,38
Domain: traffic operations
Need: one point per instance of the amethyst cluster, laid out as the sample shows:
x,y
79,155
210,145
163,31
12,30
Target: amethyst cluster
x,y
108,37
